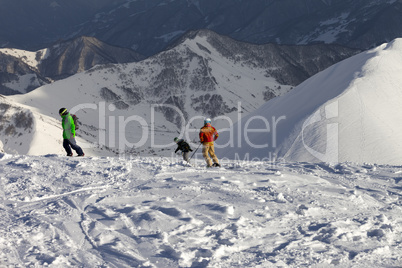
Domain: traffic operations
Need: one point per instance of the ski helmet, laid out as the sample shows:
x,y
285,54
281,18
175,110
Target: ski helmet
x,y
207,120
176,139
63,111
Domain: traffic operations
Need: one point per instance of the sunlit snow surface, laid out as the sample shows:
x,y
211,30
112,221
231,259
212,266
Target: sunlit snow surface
x,y
351,111
57,211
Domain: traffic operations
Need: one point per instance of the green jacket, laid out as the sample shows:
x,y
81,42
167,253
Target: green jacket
x,y
68,126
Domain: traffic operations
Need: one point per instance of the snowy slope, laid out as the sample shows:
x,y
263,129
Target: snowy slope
x,y
155,212
348,112
32,58
23,131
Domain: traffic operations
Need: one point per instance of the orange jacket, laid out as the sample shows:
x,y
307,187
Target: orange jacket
x,y
208,134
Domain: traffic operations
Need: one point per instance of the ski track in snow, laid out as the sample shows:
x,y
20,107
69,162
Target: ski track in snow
x,y
151,212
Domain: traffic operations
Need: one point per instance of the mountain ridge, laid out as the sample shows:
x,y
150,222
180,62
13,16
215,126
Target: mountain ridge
x,y
66,60
175,89
59,61
344,113
149,26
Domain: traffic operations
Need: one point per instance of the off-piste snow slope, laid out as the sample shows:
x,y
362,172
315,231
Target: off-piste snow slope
x,y
58,211
349,112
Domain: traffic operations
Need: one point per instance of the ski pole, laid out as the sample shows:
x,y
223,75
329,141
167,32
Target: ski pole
x,y
194,152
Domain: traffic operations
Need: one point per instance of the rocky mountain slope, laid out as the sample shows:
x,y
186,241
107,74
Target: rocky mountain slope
x,y
34,25
148,26
140,107
17,76
80,54
22,71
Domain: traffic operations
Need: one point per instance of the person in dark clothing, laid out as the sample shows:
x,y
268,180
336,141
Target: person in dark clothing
x,y
69,133
183,146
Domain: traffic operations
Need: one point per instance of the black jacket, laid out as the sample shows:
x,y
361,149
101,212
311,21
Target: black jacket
x,y
183,146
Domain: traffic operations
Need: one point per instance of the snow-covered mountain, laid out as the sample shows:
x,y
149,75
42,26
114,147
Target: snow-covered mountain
x,y
348,112
140,107
58,211
148,26
22,71
18,73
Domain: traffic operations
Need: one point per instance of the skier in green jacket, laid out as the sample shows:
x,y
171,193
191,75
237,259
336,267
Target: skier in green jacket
x,y
69,133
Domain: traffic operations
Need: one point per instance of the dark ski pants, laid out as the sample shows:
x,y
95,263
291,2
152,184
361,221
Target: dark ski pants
x,y
71,143
185,156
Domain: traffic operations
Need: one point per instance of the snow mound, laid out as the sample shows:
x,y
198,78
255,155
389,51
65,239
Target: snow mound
x,y
348,112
